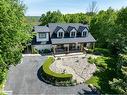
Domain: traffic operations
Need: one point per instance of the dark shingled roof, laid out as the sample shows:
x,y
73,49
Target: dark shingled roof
x,y
57,29
89,38
65,26
70,28
41,29
81,28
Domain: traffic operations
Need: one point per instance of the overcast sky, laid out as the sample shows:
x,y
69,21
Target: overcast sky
x,y
37,7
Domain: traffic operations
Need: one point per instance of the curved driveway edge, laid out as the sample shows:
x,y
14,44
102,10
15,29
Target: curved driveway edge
x,y
23,80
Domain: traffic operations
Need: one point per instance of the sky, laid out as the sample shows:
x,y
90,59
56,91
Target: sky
x,y
38,7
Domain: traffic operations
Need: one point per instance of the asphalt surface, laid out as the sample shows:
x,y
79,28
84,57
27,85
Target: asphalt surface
x,y
23,80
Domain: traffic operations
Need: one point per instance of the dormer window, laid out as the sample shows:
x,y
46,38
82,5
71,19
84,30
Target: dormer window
x,y
60,34
84,33
73,34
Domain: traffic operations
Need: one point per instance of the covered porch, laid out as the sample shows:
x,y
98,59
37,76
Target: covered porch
x,y
71,47
68,45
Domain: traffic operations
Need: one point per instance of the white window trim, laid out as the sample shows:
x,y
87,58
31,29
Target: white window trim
x,y
42,39
40,34
83,32
58,34
73,31
71,34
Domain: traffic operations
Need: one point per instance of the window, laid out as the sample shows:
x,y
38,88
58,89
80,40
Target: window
x,y
72,34
84,34
60,34
42,35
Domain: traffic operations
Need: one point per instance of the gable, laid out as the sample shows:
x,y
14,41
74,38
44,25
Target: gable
x,y
73,30
60,30
70,28
84,30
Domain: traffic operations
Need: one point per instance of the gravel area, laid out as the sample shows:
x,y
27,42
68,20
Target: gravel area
x,y
78,66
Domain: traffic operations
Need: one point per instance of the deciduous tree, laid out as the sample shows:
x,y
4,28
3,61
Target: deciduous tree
x,y
14,33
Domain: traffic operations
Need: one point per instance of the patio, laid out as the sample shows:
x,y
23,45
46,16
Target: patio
x,y
75,64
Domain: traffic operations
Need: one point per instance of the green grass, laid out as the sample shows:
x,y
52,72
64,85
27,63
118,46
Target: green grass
x,y
1,89
105,74
100,80
101,62
93,80
49,72
1,93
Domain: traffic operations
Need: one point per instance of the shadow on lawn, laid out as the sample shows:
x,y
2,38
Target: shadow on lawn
x,y
107,75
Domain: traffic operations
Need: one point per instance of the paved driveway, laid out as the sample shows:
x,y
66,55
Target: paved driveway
x,y
23,80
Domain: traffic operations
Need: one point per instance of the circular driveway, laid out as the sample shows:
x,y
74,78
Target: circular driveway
x,y
22,80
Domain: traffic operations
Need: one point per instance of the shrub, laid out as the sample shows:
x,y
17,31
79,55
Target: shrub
x,y
94,80
101,62
97,53
2,93
89,51
100,51
46,51
91,60
35,51
53,76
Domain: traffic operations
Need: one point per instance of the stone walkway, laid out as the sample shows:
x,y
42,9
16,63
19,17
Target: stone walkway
x,y
77,65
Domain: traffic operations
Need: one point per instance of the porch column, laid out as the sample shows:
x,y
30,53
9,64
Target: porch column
x,y
93,46
68,48
81,47
77,45
54,49
88,45
67,45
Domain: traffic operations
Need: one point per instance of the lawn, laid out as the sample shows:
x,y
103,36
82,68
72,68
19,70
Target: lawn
x,y
1,88
93,80
103,75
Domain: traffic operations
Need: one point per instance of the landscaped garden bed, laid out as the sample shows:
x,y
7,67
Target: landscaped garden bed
x,y
55,78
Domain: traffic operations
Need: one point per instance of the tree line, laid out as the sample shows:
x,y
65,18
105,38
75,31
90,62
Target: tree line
x,y
58,17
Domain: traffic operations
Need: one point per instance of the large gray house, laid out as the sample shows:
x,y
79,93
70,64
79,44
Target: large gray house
x,y
63,37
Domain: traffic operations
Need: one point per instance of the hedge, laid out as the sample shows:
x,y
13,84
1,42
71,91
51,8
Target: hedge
x,y
53,76
100,51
